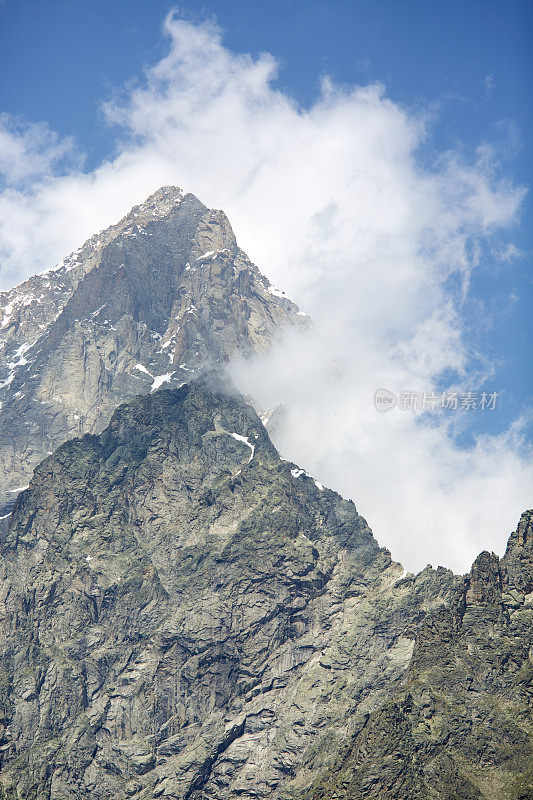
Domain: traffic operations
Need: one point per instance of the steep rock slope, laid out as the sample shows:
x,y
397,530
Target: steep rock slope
x,y
186,615
151,300
461,723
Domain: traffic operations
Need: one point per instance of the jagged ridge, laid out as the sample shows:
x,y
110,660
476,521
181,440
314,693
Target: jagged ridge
x,y
186,615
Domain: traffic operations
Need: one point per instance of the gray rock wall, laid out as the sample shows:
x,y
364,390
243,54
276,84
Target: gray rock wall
x,y
186,615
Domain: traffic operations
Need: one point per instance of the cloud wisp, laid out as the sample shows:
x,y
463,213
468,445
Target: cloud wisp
x,y
336,205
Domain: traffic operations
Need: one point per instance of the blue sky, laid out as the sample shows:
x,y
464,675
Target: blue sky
x,y
59,59
402,208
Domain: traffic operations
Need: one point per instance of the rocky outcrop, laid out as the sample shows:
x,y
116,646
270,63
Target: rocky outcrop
x,y
152,300
185,615
460,724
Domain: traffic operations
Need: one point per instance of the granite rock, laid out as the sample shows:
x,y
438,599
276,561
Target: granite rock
x,y
150,301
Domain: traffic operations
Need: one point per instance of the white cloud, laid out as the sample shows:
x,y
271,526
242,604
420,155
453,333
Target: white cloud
x,y
31,151
336,206
427,500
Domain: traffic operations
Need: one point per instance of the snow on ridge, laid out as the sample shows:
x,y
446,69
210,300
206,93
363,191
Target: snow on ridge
x,y
47,284
157,206
277,292
244,440
265,418
18,299
160,202
297,473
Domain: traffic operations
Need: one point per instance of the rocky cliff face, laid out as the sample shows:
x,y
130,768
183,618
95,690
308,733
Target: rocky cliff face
x,y
185,615
460,723
149,301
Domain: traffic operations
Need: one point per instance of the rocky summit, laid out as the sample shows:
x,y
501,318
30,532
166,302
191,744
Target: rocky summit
x,y
150,301
187,616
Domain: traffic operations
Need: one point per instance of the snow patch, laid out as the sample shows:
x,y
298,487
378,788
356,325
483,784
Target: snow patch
x,y
8,381
265,418
277,292
95,313
20,361
246,441
19,353
157,380
296,473
212,254
8,313
160,379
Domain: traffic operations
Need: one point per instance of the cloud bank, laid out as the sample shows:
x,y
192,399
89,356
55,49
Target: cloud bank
x,y
339,208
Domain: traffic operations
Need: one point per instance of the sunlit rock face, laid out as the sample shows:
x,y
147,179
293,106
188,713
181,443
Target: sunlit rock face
x,y
186,615
148,302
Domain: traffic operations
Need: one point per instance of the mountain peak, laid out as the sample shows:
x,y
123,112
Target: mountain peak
x,y
152,300
160,203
